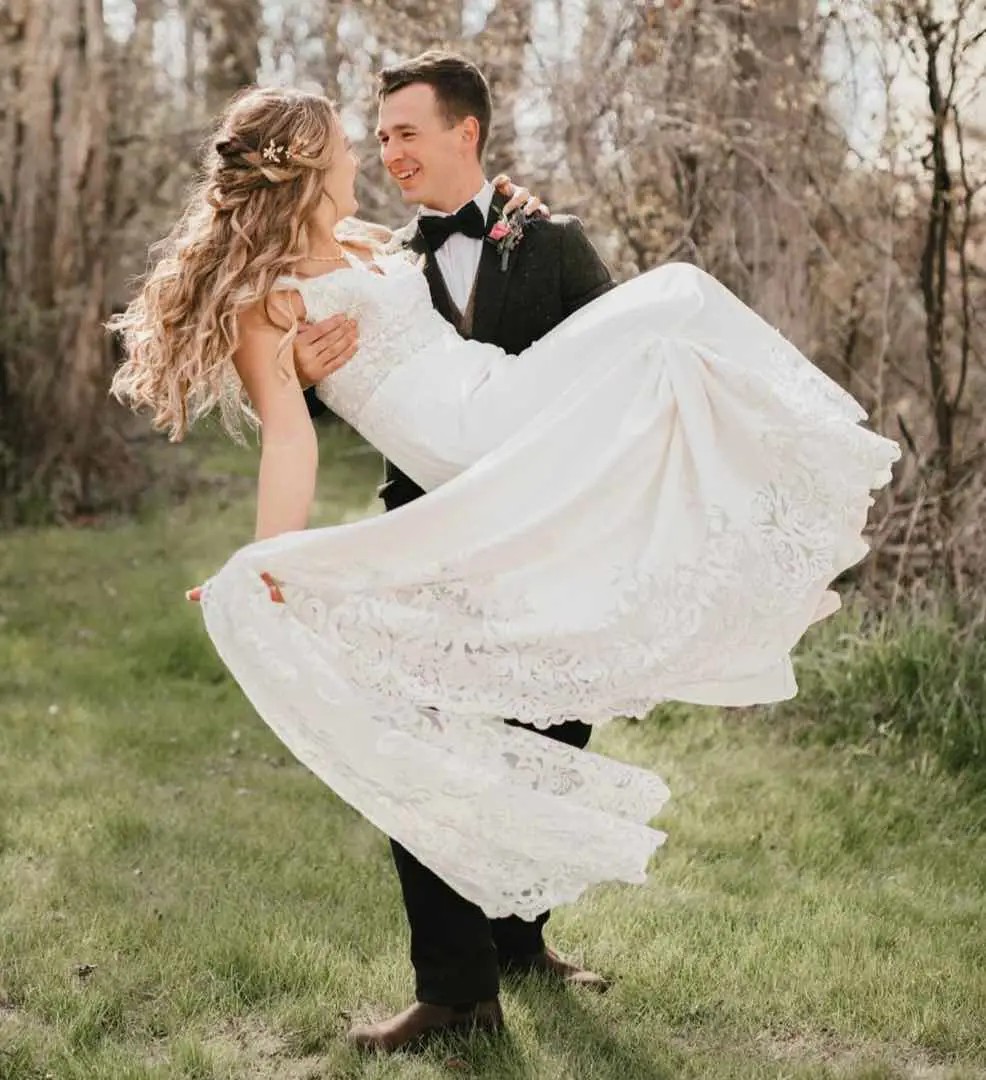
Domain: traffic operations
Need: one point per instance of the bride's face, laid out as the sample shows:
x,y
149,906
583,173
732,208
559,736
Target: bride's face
x,y
340,180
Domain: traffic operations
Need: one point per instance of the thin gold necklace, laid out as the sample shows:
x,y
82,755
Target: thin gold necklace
x,y
341,257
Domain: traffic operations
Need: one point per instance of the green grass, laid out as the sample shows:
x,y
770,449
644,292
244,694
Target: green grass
x,y
912,681
818,911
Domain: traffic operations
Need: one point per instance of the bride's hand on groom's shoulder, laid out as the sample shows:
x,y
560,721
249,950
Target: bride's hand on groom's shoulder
x,y
195,595
321,348
519,197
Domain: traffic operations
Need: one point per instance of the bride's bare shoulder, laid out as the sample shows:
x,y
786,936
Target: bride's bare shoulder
x,y
279,310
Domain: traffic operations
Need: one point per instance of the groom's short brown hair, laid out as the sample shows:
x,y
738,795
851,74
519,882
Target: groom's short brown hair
x,y
459,87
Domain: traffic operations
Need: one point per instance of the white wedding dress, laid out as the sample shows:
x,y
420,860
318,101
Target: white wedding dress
x,y
647,504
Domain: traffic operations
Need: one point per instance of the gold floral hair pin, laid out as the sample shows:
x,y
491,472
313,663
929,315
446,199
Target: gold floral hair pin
x,y
274,153
280,155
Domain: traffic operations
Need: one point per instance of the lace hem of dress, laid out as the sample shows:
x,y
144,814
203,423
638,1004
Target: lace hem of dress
x,y
459,793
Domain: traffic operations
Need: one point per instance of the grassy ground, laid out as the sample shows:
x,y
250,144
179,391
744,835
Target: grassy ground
x,y
179,899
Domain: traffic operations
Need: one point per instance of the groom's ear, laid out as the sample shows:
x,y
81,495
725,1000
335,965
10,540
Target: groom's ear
x,y
469,131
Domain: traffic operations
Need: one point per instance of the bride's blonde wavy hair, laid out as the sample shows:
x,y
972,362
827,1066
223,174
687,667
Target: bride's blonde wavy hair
x,y
243,227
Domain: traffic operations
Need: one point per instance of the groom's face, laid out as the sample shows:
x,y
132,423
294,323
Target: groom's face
x,y
419,148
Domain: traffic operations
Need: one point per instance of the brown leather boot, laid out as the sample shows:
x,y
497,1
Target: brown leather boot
x,y
412,1028
554,967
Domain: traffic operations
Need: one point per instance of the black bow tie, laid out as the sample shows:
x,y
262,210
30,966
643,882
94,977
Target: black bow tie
x,y
436,230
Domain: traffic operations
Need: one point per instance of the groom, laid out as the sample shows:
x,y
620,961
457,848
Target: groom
x,y
434,120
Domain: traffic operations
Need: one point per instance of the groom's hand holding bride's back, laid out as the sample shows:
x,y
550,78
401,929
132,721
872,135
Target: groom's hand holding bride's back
x,y
321,348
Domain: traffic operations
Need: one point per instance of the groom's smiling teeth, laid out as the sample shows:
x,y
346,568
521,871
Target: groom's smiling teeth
x,y
406,174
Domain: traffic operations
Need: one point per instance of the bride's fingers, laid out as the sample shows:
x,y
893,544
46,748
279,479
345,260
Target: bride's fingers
x,y
518,199
503,184
531,204
273,588
535,206
195,595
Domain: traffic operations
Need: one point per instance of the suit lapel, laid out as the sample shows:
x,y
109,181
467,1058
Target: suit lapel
x,y
439,291
413,241
492,282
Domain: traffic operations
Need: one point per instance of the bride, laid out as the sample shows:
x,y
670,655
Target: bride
x,y
649,503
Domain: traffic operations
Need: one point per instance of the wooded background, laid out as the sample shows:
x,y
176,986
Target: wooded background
x,y
826,160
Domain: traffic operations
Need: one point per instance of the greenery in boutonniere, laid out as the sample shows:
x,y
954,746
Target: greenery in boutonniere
x,y
506,234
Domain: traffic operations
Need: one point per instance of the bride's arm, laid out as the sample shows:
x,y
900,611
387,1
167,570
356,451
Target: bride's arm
x,y
289,449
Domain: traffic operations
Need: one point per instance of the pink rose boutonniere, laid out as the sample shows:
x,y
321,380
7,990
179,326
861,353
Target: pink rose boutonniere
x,y
506,234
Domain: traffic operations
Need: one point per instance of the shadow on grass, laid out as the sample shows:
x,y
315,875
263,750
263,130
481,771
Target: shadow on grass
x,y
566,1025
501,1056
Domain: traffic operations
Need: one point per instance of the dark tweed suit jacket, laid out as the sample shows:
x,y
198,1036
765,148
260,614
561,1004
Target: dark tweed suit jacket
x,y
552,272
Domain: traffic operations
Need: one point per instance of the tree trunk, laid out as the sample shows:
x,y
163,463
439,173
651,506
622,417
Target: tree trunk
x,y
508,32
411,26
233,31
767,230
53,179
329,30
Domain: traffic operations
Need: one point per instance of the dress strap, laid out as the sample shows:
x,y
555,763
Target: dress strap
x,y
368,266
288,281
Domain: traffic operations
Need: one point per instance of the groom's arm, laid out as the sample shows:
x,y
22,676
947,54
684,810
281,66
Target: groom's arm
x,y
584,275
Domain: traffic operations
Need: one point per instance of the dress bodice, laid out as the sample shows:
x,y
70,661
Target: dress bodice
x,y
396,320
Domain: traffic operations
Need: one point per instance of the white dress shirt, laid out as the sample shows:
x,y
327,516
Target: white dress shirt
x,y
458,258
